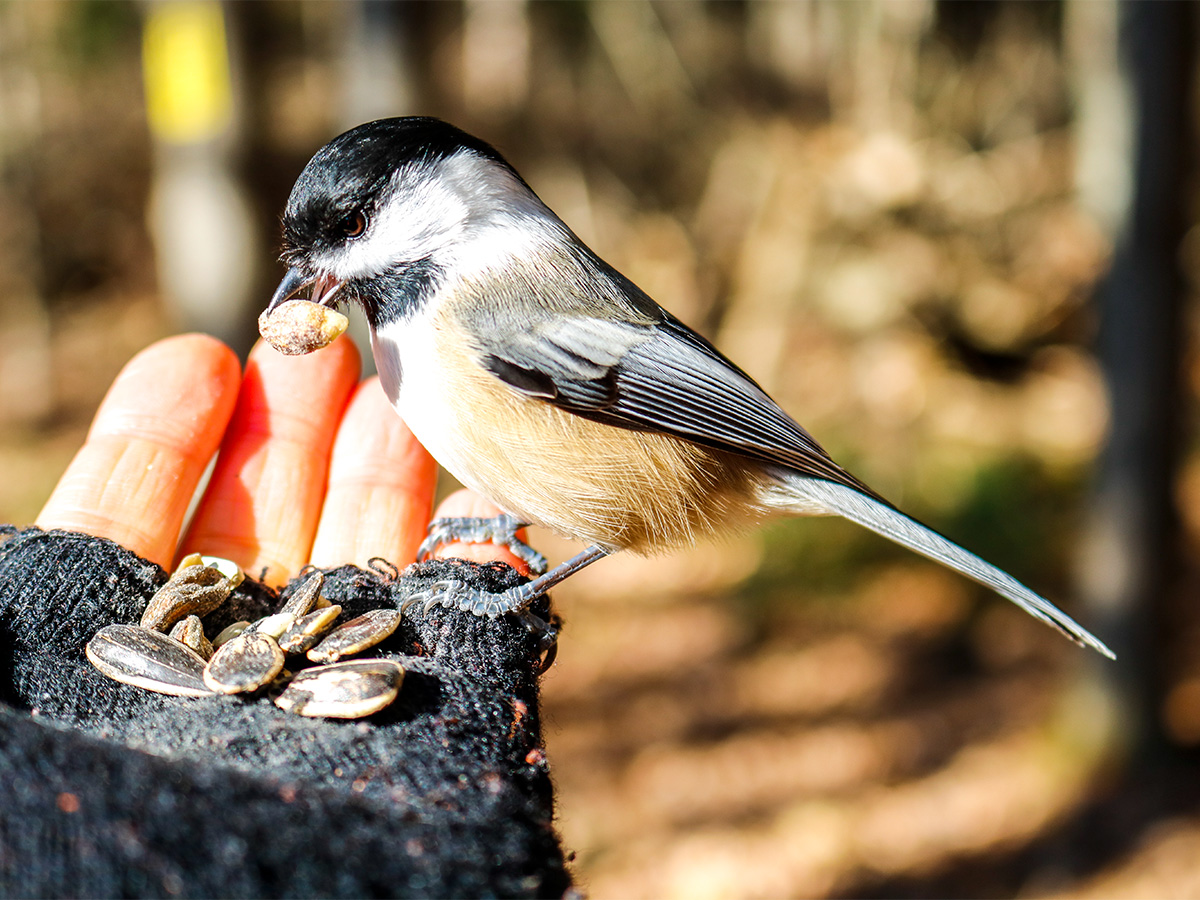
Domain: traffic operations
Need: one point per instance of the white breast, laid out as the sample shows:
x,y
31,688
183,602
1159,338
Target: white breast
x,y
413,378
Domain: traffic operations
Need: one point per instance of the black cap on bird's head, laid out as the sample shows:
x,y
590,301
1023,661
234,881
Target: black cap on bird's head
x,y
350,173
370,207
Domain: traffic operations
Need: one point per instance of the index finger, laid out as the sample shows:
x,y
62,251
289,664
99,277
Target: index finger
x,y
155,431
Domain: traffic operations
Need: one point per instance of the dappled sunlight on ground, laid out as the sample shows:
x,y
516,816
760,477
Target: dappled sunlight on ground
x,y
838,749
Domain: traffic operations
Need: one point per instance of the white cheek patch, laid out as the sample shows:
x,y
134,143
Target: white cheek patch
x,y
416,216
466,213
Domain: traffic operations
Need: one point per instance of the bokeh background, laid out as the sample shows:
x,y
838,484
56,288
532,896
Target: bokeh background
x,y
956,240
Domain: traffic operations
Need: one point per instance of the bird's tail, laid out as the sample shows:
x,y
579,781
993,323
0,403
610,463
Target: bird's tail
x,y
908,532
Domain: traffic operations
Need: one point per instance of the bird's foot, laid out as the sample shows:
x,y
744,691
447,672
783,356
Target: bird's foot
x,y
500,530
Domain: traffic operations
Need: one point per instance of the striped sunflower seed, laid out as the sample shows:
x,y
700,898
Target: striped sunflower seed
x,y
148,659
307,630
245,663
345,690
304,599
356,635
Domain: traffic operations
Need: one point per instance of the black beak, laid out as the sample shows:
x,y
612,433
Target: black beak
x,y
293,282
324,288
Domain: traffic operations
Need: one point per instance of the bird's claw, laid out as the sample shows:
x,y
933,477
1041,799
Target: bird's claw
x,y
453,594
500,530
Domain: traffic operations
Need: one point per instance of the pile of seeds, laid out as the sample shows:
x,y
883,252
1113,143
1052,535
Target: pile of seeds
x,y
169,653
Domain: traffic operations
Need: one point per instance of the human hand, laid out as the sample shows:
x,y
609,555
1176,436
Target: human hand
x,y
313,466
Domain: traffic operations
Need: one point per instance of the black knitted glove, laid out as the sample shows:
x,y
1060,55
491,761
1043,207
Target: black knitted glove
x,y
109,790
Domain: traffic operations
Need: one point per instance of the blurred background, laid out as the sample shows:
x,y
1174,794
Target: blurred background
x,y
956,240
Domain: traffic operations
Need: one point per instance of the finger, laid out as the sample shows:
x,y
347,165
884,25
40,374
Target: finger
x,y
468,504
152,437
264,500
381,483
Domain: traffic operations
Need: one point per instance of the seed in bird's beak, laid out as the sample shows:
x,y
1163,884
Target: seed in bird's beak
x,y
295,327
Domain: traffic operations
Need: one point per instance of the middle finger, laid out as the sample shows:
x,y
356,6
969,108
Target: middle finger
x,y
264,499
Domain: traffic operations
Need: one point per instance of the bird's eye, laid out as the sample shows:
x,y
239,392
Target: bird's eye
x,y
353,225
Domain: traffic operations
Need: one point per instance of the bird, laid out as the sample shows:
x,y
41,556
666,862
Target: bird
x,y
544,379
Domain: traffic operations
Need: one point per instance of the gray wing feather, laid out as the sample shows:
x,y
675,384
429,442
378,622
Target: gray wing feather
x,y
660,376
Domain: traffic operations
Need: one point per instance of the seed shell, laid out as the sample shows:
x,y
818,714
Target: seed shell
x,y
192,559
149,660
356,635
190,633
307,630
245,663
226,567
193,590
346,690
304,598
274,625
301,326
229,633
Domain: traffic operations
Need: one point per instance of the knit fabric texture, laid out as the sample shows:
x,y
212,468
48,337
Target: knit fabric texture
x,y
108,790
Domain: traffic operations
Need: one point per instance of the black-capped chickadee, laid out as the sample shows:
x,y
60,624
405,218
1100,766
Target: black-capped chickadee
x,y
547,381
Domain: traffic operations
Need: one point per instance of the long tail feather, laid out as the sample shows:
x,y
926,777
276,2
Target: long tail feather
x,y
896,526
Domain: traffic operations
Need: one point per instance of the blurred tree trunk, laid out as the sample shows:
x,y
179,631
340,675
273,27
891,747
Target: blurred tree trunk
x,y
207,249
1133,169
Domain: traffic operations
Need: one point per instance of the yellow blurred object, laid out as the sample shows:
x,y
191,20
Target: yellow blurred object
x,y
185,63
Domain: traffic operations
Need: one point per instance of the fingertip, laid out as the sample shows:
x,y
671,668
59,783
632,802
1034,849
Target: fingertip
x,y
341,356
205,357
465,503
155,430
178,390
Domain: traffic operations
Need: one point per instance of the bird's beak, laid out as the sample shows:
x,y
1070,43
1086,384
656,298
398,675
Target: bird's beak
x,y
323,288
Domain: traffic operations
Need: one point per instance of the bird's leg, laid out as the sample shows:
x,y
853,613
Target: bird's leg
x,y
500,530
452,593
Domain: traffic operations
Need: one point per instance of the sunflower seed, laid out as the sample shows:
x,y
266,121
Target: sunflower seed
x,y
245,663
226,567
301,326
192,559
273,625
346,690
356,635
307,630
190,633
304,598
193,590
149,660
229,633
